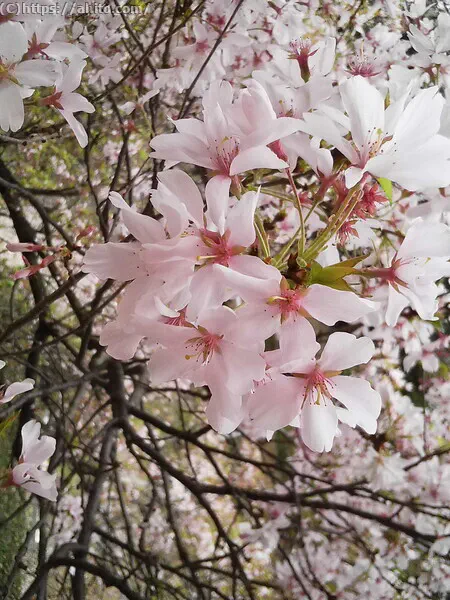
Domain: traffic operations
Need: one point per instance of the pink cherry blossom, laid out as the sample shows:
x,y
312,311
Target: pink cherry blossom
x,y
67,101
35,451
312,384
217,352
271,303
232,138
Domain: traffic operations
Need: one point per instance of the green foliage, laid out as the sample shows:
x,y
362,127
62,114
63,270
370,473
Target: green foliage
x,y
386,186
333,275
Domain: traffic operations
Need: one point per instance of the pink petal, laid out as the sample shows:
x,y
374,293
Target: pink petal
x,y
318,425
345,350
240,220
274,405
257,157
169,364
224,411
217,194
184,189
144,228
328,305
362,402
298,346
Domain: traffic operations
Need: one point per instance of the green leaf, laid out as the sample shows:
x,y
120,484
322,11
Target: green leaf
x,y
386,184
333,275
7,424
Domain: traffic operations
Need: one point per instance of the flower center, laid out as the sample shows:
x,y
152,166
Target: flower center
x,y
390,275
203,346
53,100
318,385
6,72
319,382
202,47
301,51
224,154
35,47
178,321
221,251
289,302
363,67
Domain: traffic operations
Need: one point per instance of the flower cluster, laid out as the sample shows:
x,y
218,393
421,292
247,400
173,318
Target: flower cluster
x,y
210,288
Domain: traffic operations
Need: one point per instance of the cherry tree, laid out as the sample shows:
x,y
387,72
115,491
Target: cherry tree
x,y
225,324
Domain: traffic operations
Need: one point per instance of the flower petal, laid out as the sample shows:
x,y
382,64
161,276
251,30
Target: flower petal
x,y
328,305
144,228
345,350
318,425
240,220
274,405
257,157
217,194
362,402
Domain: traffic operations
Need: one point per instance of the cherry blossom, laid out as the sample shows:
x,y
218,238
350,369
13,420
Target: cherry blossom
x,y
217,352
421,259
67,101
232,138
401,144
271,303
18,76
312,384
16,388
35,451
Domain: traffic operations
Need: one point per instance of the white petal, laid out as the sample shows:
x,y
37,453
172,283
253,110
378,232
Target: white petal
x,y
40,451
345,350
19,387
30,435
13,42
73,102
328,305
353,175
415,167
365,107
258,157
396,303
217,194
12,112
240,220
318,425
144,228
426,239
361,400
72,76
77,128
421,119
